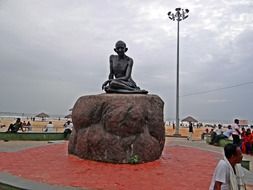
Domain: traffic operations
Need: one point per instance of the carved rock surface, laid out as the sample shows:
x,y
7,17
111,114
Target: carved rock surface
x,y
118,128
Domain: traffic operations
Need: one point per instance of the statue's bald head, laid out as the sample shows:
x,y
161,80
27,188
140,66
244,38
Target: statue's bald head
x,y
120,44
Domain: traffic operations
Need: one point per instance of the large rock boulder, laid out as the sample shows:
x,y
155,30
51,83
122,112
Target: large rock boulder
x,y
118,128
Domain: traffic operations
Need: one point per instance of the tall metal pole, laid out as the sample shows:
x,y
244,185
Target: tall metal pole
x,y
180,14
177,93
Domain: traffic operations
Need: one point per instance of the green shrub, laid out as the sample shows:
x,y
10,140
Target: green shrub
x,y
134,159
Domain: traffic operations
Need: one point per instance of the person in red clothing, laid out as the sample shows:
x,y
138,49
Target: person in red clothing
x,y
243,133
246,143
251,141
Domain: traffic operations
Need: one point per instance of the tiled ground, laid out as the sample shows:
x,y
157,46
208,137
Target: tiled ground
x,y
180,168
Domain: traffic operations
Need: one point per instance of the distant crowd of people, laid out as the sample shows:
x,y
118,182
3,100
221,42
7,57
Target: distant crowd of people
x,y
23,126
229,173
241,136
68,127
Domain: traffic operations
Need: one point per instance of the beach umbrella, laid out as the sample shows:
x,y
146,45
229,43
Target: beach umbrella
x,y
42,115
68,116
189,119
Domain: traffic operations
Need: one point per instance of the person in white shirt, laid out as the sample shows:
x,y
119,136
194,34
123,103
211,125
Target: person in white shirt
x,y
228,133
236,132
228,174
218,130
49,127
68,128
224,135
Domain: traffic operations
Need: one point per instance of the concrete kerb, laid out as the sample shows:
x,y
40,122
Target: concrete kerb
x,y
8,181
13,146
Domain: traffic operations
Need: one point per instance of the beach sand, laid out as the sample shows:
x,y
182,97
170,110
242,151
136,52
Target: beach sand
x,y
183,131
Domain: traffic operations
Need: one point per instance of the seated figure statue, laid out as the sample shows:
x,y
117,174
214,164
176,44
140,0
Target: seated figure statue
x,y
120,80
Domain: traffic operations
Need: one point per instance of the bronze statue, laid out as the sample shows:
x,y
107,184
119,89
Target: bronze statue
x,y
120,80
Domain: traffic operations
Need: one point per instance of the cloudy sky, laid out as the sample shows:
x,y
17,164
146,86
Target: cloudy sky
x,y
54,51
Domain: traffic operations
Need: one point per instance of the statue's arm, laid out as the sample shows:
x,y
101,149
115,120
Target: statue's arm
x,y
110,77
111,67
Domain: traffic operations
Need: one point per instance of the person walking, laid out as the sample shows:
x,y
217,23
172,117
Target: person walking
x,y
190,131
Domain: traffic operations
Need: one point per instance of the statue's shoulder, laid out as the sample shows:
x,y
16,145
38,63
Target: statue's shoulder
x,y
112,57
129,58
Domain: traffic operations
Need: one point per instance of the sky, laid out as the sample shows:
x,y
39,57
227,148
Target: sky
x,y
53,52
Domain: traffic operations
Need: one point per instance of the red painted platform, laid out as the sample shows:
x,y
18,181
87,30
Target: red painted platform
x,y
180,168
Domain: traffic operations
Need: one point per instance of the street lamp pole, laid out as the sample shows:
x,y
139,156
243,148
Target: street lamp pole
x,y
179,15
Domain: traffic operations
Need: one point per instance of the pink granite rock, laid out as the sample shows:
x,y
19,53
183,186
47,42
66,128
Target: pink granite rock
x,y
118,128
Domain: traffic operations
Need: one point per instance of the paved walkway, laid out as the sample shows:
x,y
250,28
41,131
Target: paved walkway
x,y
184,165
